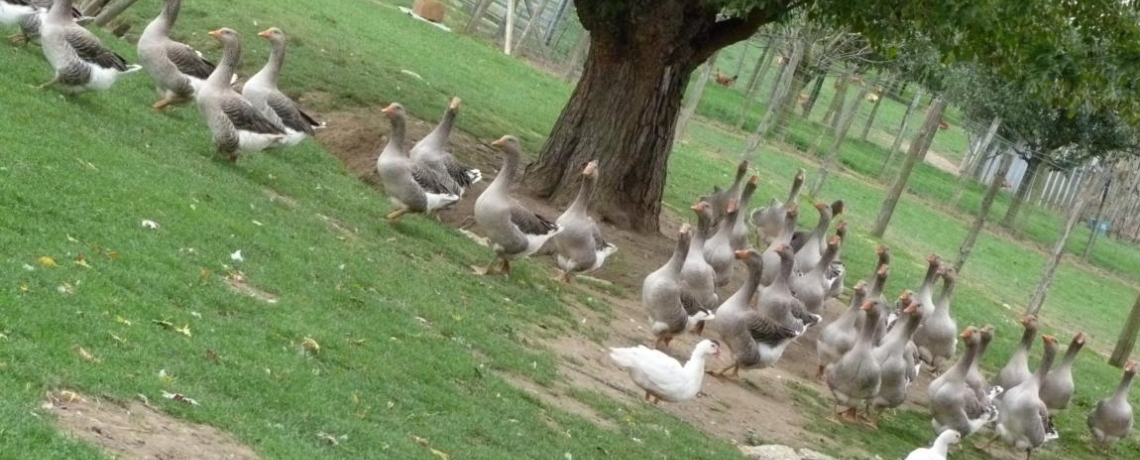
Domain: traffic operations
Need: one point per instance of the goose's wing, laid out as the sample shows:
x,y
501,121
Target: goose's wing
x,y
88,47
246,118
529,222
689,303
763,329
291,115
188,60
599,240
432,180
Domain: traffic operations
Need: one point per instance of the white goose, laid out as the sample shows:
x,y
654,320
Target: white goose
x,y
81,62
661,376
939,450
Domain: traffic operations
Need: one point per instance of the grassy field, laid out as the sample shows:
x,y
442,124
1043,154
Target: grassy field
x,y
410,345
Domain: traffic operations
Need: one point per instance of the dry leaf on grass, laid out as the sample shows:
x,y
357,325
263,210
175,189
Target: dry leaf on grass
x,y
180,397
311,345
47,261
87,356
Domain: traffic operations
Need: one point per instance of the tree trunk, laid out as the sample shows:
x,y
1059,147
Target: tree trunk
x,y
694,99
624,108
576,56
781,89
509,22
980,220
874,109
832,157
917,150
758,74
109,13
740,61
532,22
1031,170
94,7
978,155
816,88
476,16
901,134
1127,340
1037,300
839,98
1096,219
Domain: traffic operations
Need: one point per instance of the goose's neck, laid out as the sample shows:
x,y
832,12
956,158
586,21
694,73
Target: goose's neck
x,y
60,11
276,60
679,252
162,24
943,302
1121,393
746,195
396,138
1070,356
985,344
795,191
785,235
502,182
927,287
781,281
223,74
1046,363
582,201
963,365
941,446
824,263
695,368
824,223
1026,341
703,225
867,334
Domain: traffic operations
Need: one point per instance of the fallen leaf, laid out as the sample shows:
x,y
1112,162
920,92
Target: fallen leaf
x,y
164,323
29,268
328,438
23,287
123,321
47,261
114,255
82,262
236,256
439,454
357,342
149,224
180,397
211,355
311,345
166,378
118,339
184,330
65,288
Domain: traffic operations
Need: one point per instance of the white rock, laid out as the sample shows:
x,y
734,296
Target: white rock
x,y
769,452
808,454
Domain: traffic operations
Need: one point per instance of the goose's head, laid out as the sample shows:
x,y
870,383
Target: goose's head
x,y
272,34
225,35
393,110
709,347
507,142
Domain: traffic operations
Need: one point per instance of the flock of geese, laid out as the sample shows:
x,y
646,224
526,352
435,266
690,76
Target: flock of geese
x,y
868,356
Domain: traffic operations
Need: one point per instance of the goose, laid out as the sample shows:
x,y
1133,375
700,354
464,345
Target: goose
x,y
670,312
1023,420
939,450
663,377
811,287
875,294
718,252
581,247
953,404
926,291
697,276
718,200
837,273
815,242
739,238
1111,418
432,150
974,377
261,91
770,219
839,335
81,62
515,231
410,186
28,14
936,337
771,259
778,297
801,237
855,379
1057,387
237,126
1017,369
756,337
896,371
178,69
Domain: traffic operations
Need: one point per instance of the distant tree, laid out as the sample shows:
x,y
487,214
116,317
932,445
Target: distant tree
x,y
642,53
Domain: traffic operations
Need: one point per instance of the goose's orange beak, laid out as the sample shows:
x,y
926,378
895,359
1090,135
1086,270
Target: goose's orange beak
x,y
390,109
216,33
264,34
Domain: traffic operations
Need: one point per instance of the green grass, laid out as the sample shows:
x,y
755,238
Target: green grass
x,y
410,344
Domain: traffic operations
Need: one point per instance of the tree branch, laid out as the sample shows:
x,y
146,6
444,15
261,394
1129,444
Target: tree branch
x,y
735,29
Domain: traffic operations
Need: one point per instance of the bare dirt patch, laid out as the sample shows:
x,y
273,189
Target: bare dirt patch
x,y
137,431
239,284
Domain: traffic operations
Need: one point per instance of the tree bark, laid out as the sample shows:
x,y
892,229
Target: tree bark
x,y
978,155
901,134
624,108
835,110
832,157
509,22
1127,340
816,88
980,220
94,7
740,61
532,22
917,150
758,74
875,109
1032,169
694,99
1037,299
111,12
774,104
